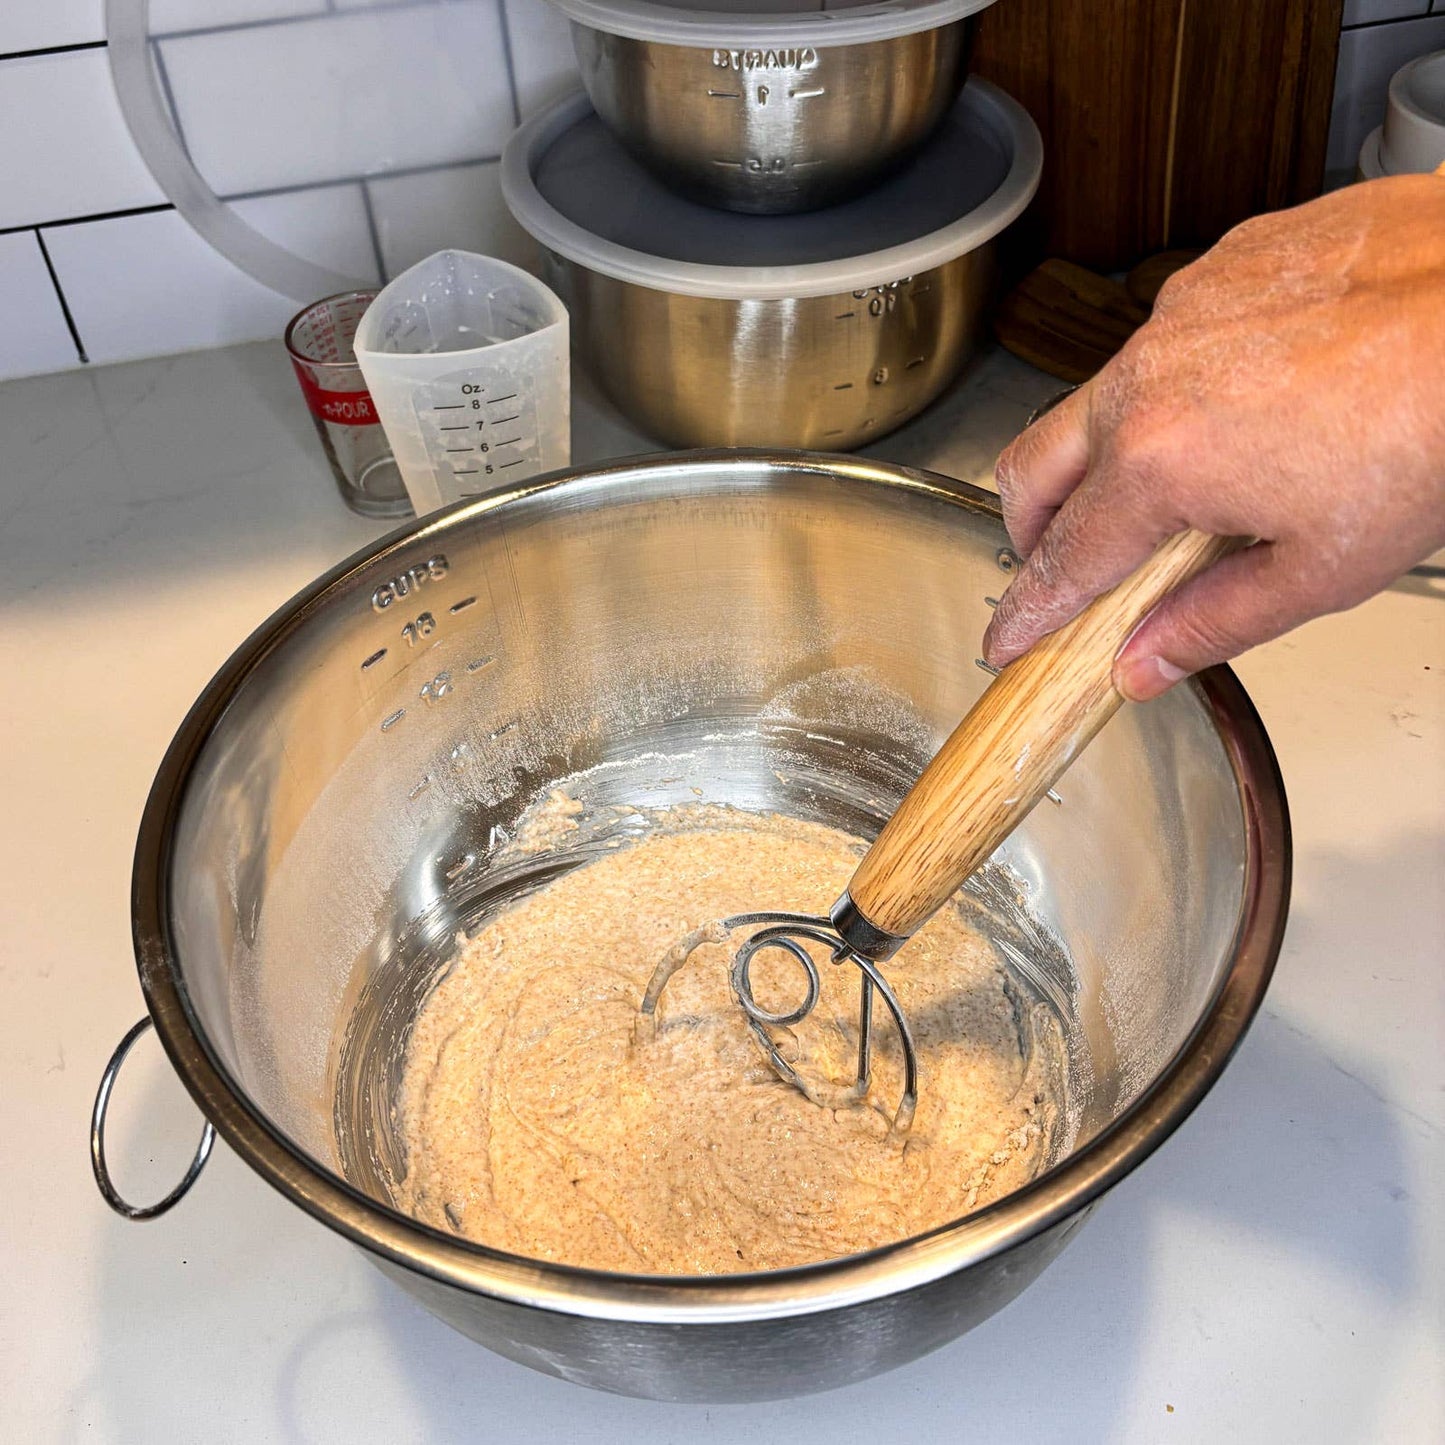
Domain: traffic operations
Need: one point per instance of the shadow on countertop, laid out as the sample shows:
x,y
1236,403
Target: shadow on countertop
x,y
1296,1160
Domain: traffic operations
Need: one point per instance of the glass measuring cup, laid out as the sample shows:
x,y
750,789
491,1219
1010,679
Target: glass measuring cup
x,y
466,360
319,340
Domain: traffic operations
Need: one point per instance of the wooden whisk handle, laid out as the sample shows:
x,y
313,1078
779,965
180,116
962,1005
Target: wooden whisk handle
x,y
1035,718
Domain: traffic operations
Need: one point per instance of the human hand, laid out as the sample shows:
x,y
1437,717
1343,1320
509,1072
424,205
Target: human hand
x,y
1288,388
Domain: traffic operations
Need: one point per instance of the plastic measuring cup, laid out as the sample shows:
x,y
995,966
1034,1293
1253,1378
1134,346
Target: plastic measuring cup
x,y
466,361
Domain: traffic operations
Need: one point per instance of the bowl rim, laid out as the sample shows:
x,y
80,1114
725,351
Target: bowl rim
x,y
573,241
843,24
1061,1192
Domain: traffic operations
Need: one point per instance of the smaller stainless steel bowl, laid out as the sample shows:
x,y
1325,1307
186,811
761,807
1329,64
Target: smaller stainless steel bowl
x,y
769,130
825,329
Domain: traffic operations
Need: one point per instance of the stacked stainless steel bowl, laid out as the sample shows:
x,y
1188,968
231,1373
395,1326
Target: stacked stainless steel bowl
x,y
775,227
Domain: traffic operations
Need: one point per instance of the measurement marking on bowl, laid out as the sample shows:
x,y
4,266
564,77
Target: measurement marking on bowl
x,y
438,688
459,867
988,667
510,441
845,315
387,723
803,165
844,386
420,788
806,94
917,361
374,659
836,431
461,449
465,471
515,463
463,604
725,94
459,754
510,396
719,161
991,601
824,738
501,732
497,835
450,406
1053,797
478,663
456,426
502,421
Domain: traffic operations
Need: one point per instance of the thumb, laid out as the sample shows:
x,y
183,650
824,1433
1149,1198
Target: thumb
x,y
1244,599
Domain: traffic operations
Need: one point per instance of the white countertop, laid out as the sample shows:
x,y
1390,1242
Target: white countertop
x,y
1276,1272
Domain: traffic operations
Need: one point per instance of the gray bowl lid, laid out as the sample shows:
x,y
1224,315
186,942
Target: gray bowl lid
x,y
571,184
729,24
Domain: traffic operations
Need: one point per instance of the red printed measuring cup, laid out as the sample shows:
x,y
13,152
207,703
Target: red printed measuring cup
x,y
320,340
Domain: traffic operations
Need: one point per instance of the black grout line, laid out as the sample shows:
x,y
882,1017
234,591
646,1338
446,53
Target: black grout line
x,y
430,169
81,220
373,233
169,96
1391,20
507,60
53,50
60,296
400,173
278,20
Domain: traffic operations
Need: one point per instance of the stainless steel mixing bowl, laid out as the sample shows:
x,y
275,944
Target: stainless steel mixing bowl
x,y
815,371
769,130
827,330
787,632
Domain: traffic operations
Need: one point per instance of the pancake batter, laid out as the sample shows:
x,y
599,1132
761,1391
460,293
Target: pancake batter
x,y
542,1115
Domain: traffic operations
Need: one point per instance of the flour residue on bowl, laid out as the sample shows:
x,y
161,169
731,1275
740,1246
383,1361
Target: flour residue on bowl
x,y
541,1116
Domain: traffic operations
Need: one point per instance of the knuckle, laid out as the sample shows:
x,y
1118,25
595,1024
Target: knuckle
x,y
1175,290
1202,637
1005,474
1042,571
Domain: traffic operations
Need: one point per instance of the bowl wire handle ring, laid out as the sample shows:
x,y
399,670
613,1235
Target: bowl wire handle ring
x,y
104,1182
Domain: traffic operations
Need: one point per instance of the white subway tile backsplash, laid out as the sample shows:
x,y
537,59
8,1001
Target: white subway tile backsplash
x,y
542,54
1371,12
168,15
1367,60
64,149
34,24
461,206
35,336
325,224
342,94
144,285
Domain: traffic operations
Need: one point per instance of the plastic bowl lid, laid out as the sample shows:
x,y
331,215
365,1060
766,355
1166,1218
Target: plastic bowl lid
x,y
767,23
571,185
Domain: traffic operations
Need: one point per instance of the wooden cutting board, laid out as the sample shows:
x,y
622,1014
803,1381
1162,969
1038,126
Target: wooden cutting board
x,y
1165,122
1068,320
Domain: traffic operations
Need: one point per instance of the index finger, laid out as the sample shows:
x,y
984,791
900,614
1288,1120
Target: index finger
x,y
1041,467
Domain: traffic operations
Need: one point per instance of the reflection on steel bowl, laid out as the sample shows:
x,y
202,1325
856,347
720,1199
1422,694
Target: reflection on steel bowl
x,y
328,817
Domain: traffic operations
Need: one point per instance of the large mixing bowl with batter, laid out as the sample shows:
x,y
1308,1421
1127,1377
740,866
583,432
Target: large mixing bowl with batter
x,y
791,633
